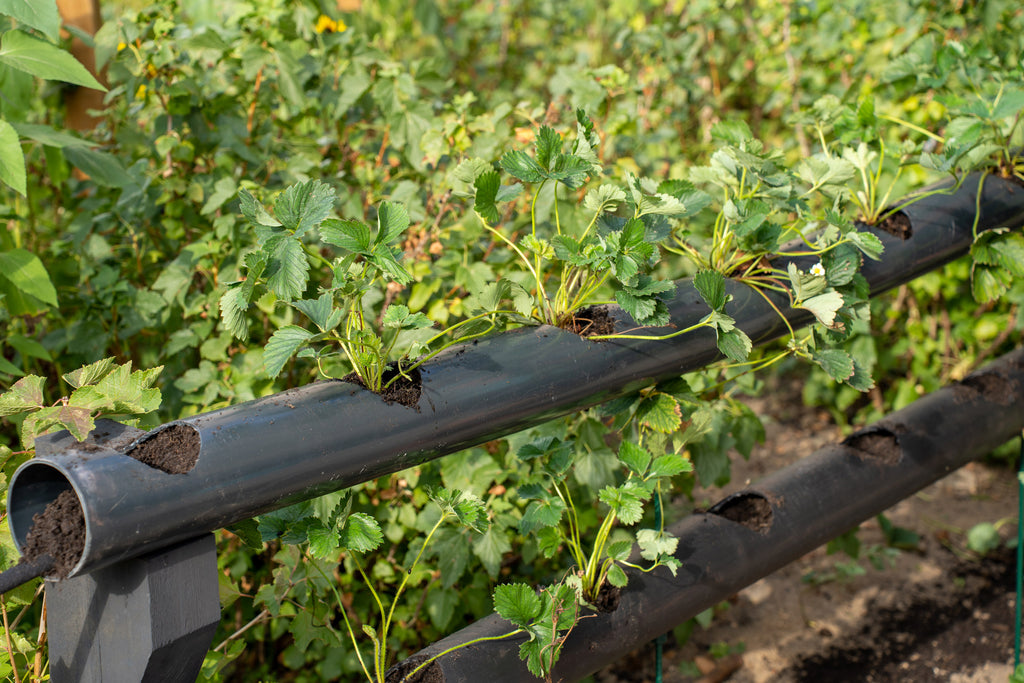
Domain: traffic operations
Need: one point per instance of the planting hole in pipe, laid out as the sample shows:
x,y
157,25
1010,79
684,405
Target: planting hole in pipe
x,y
991,386
896,224
405,390
749,508
590,321
174,449
878,443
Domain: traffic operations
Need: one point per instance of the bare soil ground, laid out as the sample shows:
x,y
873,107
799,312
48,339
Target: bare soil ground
x,y
937,613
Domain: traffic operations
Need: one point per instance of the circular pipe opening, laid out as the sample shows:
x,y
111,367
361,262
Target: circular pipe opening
x,y
33,487
749,508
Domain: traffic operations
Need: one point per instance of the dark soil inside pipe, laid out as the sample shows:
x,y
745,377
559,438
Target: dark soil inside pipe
x,y
58,531
405,390
174,450
591,321
896,224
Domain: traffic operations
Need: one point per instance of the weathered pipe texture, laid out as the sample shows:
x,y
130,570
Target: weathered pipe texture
x,y
278,450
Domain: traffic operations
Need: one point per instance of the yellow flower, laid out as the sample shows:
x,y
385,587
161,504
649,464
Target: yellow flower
x,y
325,23
121,46
140,92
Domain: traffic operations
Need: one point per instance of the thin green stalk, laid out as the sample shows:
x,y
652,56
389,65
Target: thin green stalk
x,y
651,337
344,615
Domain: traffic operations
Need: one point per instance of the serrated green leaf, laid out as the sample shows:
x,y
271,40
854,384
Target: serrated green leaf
x,y
487,185
654,544
26,272
711,287
27,53
734,344
12,159
867,243
840,264
90,374
318,310
548,145
355,236
518,164
604,198
670,465
616,576
323,542
233,306
288,267
517,603
398,315
102,168
392,221
254,212
836,363
360,533
541,513
861,379
634,457
25,394
624,502
1000,249
620,550
824,307
659,412
988,283
282,345
303,206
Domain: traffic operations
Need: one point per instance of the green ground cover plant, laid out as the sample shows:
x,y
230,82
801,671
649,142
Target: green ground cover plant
x,y
280,191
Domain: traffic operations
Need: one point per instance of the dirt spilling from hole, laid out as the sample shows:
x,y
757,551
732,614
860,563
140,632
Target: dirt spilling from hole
x,y
896,224
174,450
877,443
607,598
58,531
429,674
405,390
751,510
992,386
587,322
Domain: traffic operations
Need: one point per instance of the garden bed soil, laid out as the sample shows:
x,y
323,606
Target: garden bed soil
x,y
936,613
404,390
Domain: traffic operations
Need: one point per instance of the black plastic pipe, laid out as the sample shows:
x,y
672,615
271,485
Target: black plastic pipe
x,y
274,451
750,534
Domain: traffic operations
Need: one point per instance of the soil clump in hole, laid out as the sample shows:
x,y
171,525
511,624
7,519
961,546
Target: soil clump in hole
x,y
174,450
429,674
878,443
607,598
587,322
896,224
405,390
751,510
58,531
992,387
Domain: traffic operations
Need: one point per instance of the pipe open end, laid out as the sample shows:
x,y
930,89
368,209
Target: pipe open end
x,y
173,449
47,517
877,443
749,508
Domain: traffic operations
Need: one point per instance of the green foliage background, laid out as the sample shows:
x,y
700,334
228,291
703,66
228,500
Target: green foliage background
x,y
122,241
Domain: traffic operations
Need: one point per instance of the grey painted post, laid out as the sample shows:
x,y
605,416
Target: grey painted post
x,y
150,618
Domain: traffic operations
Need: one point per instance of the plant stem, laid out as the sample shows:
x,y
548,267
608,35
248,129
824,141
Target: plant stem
x,y
481,639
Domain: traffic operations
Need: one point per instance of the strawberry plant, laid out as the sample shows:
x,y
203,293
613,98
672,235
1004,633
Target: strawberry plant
x,y
282,268
577,259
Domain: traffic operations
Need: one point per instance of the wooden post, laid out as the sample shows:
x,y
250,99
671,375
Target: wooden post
x,y
84,15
